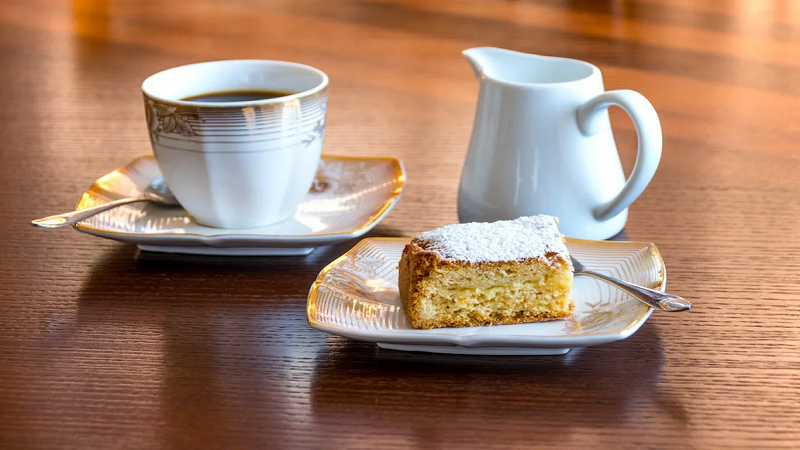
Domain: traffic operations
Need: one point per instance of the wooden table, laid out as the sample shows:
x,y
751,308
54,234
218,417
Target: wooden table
x,y
104,347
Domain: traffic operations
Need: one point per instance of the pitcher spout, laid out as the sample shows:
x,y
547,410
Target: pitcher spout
x,y
508,66
482,59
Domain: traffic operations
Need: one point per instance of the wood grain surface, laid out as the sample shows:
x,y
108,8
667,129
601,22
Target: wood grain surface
x,y
105,347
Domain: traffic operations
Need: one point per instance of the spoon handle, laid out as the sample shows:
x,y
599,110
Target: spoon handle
x,y
62,220
653,298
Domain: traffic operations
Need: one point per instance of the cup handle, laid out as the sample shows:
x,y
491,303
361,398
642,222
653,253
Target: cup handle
x,y
648,129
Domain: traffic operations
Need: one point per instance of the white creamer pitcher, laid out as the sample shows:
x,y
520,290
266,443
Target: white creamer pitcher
x,y
542,144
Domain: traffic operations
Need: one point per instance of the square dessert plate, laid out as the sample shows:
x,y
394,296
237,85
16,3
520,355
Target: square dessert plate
x,y
356,296
350,195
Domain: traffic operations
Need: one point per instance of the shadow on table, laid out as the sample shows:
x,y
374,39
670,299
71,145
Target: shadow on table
x,y
218,346
361,386
129,274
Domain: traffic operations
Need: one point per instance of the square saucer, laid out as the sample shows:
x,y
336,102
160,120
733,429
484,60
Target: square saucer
x,y
348,198
356,296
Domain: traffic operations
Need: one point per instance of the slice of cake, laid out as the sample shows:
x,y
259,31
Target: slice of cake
x,y
473,274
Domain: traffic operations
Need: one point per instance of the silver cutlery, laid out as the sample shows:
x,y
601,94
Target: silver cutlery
x,y
156,192
651,297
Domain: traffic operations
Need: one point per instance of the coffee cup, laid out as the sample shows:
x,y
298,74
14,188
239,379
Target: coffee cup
x,y
238,142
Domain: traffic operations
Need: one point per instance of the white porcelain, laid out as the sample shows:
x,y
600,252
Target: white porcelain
x,y
237,164
542,144
356,296
349,196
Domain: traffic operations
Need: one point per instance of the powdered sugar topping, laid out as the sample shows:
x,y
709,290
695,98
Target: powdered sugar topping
x,y
505,240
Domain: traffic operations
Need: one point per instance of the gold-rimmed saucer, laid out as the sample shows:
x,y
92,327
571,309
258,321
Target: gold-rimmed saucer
x,y
357,296
349,197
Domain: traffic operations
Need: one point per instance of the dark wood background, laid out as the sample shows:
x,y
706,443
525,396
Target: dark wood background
x,y
105,347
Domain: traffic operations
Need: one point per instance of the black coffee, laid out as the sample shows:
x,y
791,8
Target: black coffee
x,y
236,96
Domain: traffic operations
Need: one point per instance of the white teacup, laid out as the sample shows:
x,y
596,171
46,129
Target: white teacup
x,y
237,164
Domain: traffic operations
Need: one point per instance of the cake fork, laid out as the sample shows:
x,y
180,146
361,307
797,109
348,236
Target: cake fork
x,y
651,297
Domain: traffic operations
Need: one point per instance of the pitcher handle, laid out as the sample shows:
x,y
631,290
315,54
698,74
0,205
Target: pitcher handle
x,y
648,129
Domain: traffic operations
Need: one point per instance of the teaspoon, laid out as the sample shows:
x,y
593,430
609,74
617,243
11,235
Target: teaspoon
x,y
156,192
651,297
